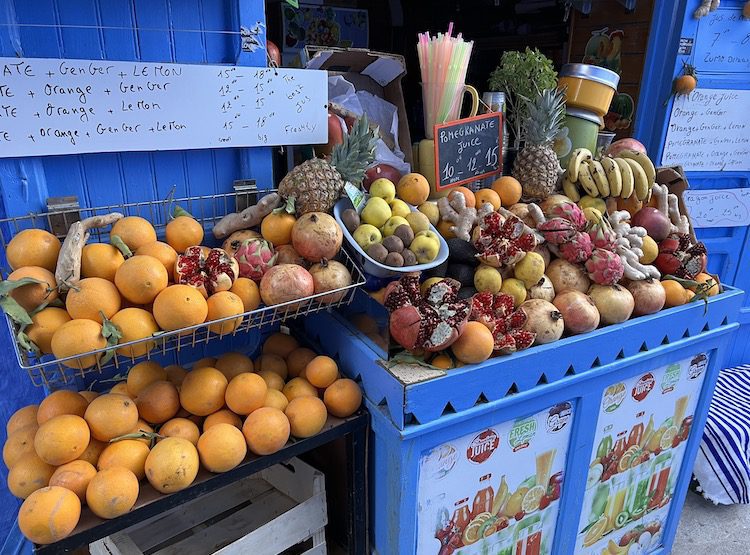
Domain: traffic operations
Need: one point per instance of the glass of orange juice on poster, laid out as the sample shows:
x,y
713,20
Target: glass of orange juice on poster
x,y
680,406
620,487
544,466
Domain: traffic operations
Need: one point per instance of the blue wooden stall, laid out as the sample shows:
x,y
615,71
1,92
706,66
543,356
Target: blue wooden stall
x,y
424,420
180,31
716,46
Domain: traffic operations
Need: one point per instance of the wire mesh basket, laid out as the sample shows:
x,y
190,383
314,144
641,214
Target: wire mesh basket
x,y
46,369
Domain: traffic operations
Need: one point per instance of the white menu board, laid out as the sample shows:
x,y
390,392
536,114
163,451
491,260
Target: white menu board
x,y
641,433
64,106
496,490
718,207
709,130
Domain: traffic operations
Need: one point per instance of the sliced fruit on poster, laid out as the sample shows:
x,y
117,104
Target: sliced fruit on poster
x,y
482,499
621,111
641,434
604,49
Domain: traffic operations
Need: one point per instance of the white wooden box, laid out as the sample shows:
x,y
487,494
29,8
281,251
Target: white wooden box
x,y
263,514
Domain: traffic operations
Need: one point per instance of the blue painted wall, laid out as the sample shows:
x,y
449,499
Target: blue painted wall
x,y
729,247
182,31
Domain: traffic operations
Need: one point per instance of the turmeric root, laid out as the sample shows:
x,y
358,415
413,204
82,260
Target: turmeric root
x,y
68,270
249,217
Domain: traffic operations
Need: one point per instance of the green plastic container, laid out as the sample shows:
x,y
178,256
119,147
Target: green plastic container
x,y
583,128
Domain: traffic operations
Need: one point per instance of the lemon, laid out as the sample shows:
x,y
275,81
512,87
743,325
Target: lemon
x,y
650,250
532,499
595,532
516,289
530,269
666,439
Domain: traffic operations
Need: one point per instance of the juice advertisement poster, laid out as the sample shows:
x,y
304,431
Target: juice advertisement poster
x,y
496,490
642,429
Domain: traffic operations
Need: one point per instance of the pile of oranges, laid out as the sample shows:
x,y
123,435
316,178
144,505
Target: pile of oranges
x,y
137,294
162,424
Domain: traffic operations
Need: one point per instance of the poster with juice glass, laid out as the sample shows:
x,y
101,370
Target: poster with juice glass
x,y
643,426
495,491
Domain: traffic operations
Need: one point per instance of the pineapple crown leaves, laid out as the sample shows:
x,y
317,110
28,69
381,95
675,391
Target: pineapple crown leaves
x,y
544,116
352,157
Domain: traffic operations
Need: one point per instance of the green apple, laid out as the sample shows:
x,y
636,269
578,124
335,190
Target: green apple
x,y
366,234
427,233
376,212
400,208
419,222
383,188
391,225
425,248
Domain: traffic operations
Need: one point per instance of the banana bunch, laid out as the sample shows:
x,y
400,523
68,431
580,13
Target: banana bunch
x,y
630,173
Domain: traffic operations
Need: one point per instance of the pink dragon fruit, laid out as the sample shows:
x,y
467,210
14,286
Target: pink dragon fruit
x,y
578,249
558,231
255,257
605,267
570,211
602,235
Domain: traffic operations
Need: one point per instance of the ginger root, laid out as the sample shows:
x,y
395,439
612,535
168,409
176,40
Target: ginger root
x,y
629,245
68,270
706,7
249,217
667,204
463,217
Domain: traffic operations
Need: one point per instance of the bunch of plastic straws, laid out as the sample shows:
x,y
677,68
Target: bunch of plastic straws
x,y
443,61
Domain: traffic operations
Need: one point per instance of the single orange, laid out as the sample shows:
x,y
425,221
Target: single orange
x,y
33,247
134,231
141,278
100,260
223,305
483,196
247,290
183,232
43,326
413,188
471,200
135,324
509,189
677,295
277,228
163,253
93,298
322,371
343,397
34,294
180,306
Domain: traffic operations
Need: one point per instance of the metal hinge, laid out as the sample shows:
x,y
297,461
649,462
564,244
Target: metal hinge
x,y
247,193
63,212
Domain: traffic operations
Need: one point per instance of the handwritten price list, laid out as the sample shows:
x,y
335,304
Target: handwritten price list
x,y
723,42
60,106
718,207
709,130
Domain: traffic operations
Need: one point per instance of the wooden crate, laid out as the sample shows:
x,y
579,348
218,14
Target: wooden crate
x,y
263,514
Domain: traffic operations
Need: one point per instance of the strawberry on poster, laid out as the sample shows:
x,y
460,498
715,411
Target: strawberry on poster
x,y
495,490
642,430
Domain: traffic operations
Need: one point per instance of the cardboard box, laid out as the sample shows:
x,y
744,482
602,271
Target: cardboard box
x,y
378,73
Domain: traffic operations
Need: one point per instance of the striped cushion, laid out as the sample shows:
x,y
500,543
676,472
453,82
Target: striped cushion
x,y
722,466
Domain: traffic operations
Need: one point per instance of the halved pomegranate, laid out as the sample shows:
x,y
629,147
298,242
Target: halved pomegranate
x,y
208,270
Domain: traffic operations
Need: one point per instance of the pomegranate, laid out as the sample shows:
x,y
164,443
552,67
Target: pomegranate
x,y
287,255
579,311
566,275
544,320
329,276
543,290
233,242
649,296
208,270
378,171
625,144
653,221
614,302
284,283
316,235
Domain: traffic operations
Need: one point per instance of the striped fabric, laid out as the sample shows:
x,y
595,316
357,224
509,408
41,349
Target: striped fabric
x,y
722,467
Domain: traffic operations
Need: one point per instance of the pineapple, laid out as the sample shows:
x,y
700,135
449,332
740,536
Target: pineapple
x,y
536,166
316,185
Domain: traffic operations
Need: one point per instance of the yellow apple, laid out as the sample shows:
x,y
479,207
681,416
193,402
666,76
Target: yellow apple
x,y
425,248
393,222
400,208
383,188
366,234
376,212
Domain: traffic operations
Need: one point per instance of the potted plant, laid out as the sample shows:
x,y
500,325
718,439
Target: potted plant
x,y
522,76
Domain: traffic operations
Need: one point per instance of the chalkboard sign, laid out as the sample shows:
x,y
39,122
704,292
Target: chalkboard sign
x,y
61,106
468,149
722,44
709,130
718,207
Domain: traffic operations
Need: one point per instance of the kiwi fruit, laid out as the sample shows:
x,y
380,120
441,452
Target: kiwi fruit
x,y
405,233
394,259
377,252
393,243
350,219
410,259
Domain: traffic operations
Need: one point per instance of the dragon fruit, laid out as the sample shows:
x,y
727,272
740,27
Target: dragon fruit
x,y
431,321
578,249
605,267
255,257
496,311
558,231
501,241
602,236
208,270
572,212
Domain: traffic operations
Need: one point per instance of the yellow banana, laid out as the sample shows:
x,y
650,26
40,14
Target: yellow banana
x,y
643,161
600,177
570,189
628,185
587,181
614,176
574,163
639,178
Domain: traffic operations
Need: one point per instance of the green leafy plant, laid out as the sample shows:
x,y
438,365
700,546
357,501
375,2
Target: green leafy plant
x,y
521,76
